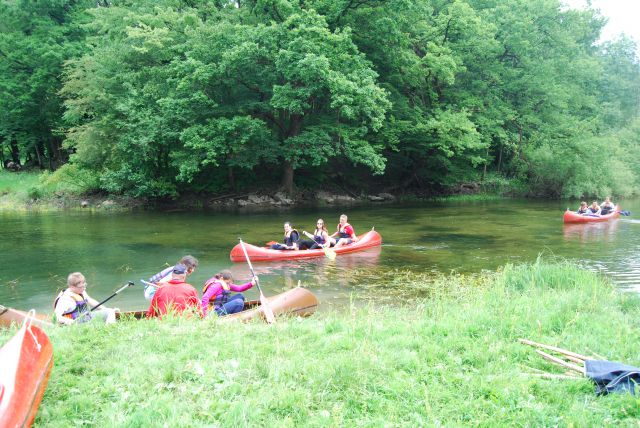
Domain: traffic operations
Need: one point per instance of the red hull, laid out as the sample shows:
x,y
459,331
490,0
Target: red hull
x,y
26,361
573,217
261,254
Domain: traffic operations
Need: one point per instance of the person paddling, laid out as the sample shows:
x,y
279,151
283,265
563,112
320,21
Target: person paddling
x,y
583,208
291,238
218,290
607,206
345,234
319,238
73,305
164,276
176,295
594,208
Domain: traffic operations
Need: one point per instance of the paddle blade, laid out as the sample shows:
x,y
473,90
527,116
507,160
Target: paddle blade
x,y
331,255
266,309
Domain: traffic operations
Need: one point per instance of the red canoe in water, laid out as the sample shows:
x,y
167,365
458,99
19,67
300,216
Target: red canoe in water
x,y
26,361
261,254
573,217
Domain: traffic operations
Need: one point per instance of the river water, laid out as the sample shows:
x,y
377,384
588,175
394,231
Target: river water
x,y
39,249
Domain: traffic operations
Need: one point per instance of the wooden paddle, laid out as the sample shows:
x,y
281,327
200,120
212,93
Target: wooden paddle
x,y
331,255
266,308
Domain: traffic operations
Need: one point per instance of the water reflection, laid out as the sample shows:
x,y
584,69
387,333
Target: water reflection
x,y
591,232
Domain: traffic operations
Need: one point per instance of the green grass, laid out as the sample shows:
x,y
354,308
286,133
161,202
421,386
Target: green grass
x,y
451,358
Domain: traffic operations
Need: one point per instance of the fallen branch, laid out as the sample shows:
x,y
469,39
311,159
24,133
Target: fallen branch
x,y
554,348
561,362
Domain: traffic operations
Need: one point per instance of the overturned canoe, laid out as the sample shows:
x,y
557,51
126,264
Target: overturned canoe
x,y
261,254
10,316
26,361
297,302
573,217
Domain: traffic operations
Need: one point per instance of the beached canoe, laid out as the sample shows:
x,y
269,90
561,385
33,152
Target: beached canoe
x,y
262,254
10,316
297,302
573,217
26,361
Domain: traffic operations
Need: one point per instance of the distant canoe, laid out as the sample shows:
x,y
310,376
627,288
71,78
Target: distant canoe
x,y
26,361
297,301
261,254
573,217
10,316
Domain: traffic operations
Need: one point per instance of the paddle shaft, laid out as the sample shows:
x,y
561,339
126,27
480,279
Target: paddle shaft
x,y
129,284
246,256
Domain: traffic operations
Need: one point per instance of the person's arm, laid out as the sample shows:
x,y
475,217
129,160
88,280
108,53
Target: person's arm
x,y
295,237
243,287
164,274
211,293
352,233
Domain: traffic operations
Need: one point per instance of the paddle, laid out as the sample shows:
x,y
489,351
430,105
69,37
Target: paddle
x,y
266,308
129,284
331,255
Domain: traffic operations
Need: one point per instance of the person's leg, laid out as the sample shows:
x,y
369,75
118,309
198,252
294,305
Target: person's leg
x,y
231,307
108,316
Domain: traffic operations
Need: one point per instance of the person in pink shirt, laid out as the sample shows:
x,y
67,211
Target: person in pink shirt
x,y
218,290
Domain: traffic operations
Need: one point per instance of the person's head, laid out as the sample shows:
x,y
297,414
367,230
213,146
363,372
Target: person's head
x,y
320,225
76,282
225,275
190,262
607,199
594,203
343,219
287,226
179,272
583,204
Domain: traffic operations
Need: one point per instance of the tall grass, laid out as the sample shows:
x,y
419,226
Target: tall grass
x,y
451,359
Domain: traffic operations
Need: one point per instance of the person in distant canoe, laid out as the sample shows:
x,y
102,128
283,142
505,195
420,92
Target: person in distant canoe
x,y
73,305
345,234
607,206
175,295
583,208
319,238
217,290
291,238
594,208
164,276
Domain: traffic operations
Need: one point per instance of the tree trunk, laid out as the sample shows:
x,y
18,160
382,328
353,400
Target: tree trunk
x,y
15,152
287,178
231,177
38,155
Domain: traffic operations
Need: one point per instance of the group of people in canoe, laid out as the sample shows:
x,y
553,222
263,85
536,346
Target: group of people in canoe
x,y
594,209
168,290
344,235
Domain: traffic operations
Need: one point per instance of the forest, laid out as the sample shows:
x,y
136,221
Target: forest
x,y
159,98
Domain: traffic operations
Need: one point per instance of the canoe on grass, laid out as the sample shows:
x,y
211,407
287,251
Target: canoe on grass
x,y
261,254
26,361
10,316
573,217
297,302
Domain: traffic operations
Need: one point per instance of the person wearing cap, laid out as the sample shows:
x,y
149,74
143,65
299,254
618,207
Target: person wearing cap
x,y
73,305
164,276
175,296
218,290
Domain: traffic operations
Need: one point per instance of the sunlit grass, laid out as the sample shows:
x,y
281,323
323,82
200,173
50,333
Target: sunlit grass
x,y
449,359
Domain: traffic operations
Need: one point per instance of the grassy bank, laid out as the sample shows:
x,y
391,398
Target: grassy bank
x,y
449,359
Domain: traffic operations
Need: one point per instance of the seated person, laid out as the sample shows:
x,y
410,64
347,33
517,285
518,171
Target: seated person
x,y
73,305
165,275
175,295
345,234
319,238
218,289
607,206
583,208
594,208
291,237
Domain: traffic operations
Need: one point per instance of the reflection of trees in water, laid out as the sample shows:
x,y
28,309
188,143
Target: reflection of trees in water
x,y
591,232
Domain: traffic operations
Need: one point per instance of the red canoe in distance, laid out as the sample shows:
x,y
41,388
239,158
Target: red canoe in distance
x,y
261,254
25,366
10,316
573,217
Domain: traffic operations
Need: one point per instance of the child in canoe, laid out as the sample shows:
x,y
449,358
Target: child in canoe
x,y
218,290
190,262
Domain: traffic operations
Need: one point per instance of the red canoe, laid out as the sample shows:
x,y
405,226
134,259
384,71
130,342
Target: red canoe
x,y
26,361
261,254
9,316
573,217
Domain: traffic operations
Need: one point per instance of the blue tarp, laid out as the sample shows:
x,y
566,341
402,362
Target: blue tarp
x,y
610,376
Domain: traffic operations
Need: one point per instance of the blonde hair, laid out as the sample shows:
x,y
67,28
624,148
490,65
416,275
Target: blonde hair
x,y
74,279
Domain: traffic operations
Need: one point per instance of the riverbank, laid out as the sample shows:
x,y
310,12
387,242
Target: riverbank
x,y
29,191
451,357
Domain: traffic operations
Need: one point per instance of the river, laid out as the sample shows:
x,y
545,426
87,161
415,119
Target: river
x,y
40,249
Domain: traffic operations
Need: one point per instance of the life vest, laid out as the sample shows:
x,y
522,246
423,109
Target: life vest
x,y
583,211
318,238
288,240
341,232
594,211
82,305
221,298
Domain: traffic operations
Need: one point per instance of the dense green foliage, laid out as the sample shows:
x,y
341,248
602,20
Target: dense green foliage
x,y
154,98
452,359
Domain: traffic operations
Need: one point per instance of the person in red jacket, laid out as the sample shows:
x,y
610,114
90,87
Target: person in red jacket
x,y
176,296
